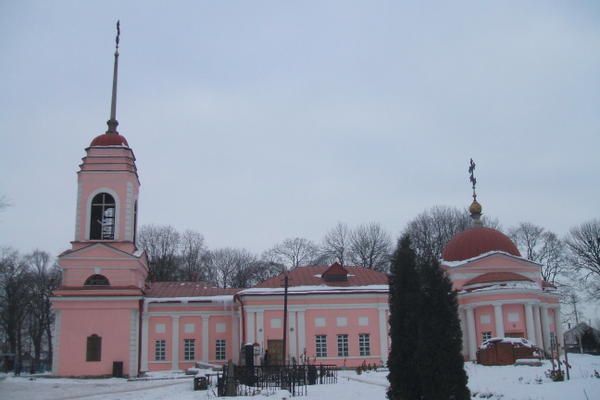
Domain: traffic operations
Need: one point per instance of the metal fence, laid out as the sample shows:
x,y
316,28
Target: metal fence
x,y
248,381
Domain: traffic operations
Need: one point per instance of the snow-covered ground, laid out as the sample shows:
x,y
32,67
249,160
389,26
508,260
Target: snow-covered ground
x,y
506,383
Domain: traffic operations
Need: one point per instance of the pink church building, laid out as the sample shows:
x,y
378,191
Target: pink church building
x,y
501,294
107,312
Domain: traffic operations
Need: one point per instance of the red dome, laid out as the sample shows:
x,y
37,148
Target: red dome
x,y
476,241
109,139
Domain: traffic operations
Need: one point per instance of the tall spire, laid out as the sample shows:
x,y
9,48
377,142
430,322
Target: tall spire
x,y
475,208
112,122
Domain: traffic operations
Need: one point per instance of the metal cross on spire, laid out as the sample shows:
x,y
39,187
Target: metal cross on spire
x,y
112,122
472,178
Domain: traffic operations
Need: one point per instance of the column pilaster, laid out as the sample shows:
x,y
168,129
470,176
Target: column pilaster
x,y
529,322
538,326
471,334
545,327
301,333
144,344
383,335
499,317
175,342
205,334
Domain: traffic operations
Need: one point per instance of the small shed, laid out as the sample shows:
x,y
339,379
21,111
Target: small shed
x,y
505,351
582,338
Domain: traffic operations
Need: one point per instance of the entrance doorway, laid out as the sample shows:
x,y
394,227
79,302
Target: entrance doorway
x,y
275,347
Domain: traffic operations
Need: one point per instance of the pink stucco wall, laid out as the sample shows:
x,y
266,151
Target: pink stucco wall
x,y
111,320
331,330
480,327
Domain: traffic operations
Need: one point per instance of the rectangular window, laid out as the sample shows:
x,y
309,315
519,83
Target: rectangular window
x,y
364,344
321,345
486,335
220,349
160,347
93,348
189,349
342,342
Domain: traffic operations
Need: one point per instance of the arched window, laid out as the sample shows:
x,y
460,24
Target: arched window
x,y
97,280
102,222
93,349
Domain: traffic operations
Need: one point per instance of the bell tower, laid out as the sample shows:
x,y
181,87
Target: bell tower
x,y
97,306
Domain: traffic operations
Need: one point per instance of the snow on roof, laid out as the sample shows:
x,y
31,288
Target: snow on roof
x,y
186,289
308,289
226,299
504,285
453,264
313,276
515,341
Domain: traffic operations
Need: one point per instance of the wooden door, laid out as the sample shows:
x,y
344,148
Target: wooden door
x,y
275,348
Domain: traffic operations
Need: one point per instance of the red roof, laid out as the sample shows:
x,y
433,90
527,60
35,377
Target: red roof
x,y
335,271
311,276
186,289
476,241
497,277
109,139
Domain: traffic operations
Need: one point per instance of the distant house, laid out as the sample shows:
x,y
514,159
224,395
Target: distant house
x,y
582,338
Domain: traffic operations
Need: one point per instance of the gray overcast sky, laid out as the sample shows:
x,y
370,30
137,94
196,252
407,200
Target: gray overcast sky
x,y
254,121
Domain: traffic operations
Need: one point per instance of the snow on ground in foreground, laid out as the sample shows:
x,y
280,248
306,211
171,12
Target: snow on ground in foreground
x,y
506,383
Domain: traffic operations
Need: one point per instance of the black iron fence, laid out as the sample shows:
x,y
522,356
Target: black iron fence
x,y
248,380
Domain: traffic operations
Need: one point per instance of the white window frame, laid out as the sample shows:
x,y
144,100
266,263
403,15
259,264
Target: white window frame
x,y
189,349
486,335
160,350
220,349
321,346
364,344
342,345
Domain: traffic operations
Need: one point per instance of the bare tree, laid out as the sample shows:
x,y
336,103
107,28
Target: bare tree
x,y
541,246
336,244
431,230
14,300
292,252
193,257
569,297
231,267
583,244
43,277
370,247
162,246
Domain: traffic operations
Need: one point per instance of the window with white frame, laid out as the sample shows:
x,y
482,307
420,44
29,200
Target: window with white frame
x,y
189,349
364,344
486,335
102,217
342,344
160,347
221,347
321,345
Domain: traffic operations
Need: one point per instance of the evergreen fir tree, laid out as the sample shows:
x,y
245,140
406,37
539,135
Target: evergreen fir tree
x,y
440,362
405,383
